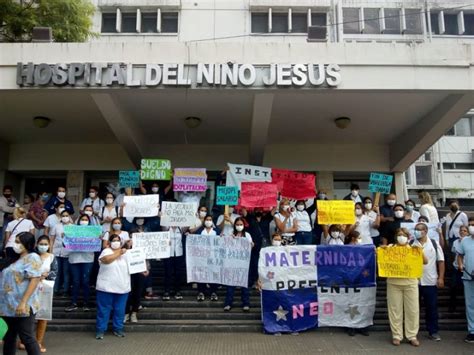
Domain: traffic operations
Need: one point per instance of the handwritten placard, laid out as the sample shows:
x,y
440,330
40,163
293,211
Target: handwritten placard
x,y
129,178
380,183
400,262
189,179
258,194
227,195
218,260
141,206
136,260
156,245
82,238
336,212
155,169
178,214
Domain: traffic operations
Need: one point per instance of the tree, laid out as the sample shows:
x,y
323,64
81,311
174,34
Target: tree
x,y
70,20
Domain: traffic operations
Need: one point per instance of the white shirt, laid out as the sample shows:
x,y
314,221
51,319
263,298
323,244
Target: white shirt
x,y
228,228
108,213
374,232
17,226
176,239
289,223
211,232
124,237
461,220
304,222
113,277
58,246
51,221
97,204
46,265
430,212
332,241
364,228
247,236
430,270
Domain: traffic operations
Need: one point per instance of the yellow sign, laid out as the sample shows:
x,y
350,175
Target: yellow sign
x,y
336,212
400,262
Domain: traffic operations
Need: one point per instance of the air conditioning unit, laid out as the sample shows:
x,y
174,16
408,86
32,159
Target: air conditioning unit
x,y
317,34
42,35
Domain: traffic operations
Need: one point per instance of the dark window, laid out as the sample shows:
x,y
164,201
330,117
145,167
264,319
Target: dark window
x,y
450,131
451,24
449,166
351,20
434,23
464,166
149,22
469,24
372,20
299,23
423,175
129,22
392,21
318,19
108,23
427,156
463,127
413,21
169,22
280,23
259,22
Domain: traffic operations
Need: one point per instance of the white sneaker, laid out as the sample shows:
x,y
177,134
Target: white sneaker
x,y
133,318
127,318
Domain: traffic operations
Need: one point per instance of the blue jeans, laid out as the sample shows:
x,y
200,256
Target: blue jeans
x,y
110,302
80,278
304,238
62,278
430,300
469,298
229,296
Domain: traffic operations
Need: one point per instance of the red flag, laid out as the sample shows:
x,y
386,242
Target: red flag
x,y
258,194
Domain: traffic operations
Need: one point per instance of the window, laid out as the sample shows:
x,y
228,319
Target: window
x,y
279,22
469,24
169,22
427,156
392,21
299,23
463,127
318,19
464,166
259,22
109,23
451,24
434,23
413,21
372,21
423,175
450,132
351,19
129,22
149,21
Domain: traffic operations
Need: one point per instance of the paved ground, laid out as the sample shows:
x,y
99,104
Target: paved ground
x,y
248,343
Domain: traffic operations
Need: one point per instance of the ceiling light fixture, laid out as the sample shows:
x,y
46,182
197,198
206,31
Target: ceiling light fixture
x,y
192,122
41,121
342,122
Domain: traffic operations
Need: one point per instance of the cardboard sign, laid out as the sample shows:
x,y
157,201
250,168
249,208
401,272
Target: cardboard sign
x,y
82,238
300,187
130,178
136,260
227,195
239,173
400,262
189,179
178,214
336,212
380,183
219,260
258,194
141,206
45,295
155,169
156,245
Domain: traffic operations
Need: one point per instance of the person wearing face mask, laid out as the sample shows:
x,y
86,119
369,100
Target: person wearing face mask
x,y
303,235
108,212
59,197
276,240
113,287
156,190
28,201
386,211
453,221
402,299
207,229
89,212
286,222
80,264
201,214
225,222
61,254
427,208
388,229
361,226
8,203
354,195
410,212
465,261
374,215
18,225
53,219
456,285
116,227
93,200
37,214
332,235
432,279
239,232
19,305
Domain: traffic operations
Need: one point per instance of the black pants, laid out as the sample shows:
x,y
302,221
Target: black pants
x,y
10,255
138,285
174,269
23,327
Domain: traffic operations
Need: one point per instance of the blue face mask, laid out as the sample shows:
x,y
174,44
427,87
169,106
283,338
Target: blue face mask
x,y
418,234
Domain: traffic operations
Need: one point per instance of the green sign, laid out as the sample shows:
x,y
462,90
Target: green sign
x,y
155,169
3,328
227,195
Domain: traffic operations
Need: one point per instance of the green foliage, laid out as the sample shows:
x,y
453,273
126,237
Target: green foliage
x,y
70,20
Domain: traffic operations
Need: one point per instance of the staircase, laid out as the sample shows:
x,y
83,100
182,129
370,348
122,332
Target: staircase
x,y
188,315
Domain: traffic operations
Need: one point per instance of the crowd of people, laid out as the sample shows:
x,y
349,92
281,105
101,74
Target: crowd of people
x,y
33,250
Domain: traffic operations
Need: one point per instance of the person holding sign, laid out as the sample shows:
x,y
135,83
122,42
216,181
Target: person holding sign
x,y
286,222
303,235
61,253
108,212
113,286
374,215
226,221
362,225
390,227
239,232
333,235
174,265
402,299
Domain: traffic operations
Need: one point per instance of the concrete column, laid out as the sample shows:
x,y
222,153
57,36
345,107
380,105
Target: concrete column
x,y
262,113
400,187
75,187
325,182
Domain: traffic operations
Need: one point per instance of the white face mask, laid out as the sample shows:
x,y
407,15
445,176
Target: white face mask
x,y
391,202
276,243
89,213
92,194
61,194
471,230
239,228
115,245
18,248
355,193
398,214
140,221
155,189
300,207
116,226
322,196
109,201
368,206
335,235
65,219
208,224
402,240
43,249
84,223
358,212
202,214
285,207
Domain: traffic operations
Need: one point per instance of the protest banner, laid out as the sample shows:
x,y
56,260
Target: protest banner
x,y
136,260
336,212
178,214
300,187
156,245
141,206
189,179
82,238
400,262
381,183
239,173
155,169
129,178
218,260
45,296
258,194
227,195
297,292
